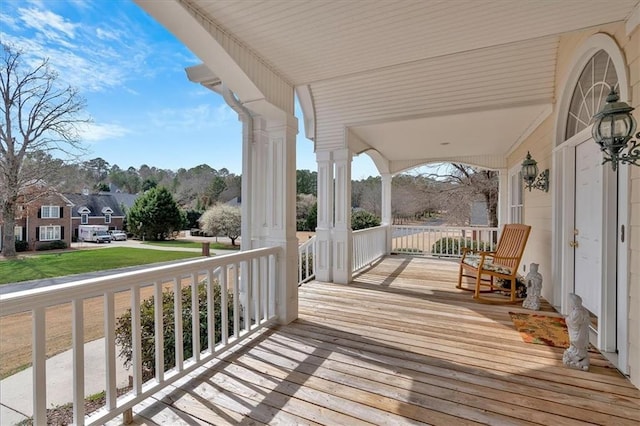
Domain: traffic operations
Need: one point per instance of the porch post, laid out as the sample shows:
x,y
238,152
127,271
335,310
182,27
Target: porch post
x,y
503,197
258,182
280,162
342,234
386,208
324,262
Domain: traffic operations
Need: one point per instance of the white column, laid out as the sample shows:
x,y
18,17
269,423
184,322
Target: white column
x,y
342,238
386,207
503,197
246,235
324,268
280,161
259,184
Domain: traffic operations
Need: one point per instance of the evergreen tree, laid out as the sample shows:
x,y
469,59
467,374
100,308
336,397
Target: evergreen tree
x,y
155,215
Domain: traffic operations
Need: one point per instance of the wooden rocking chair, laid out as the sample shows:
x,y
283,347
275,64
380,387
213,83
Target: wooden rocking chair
x,y
502,263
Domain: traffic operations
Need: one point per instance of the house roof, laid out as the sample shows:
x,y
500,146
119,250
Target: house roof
x,y
407,81
125,199
97,204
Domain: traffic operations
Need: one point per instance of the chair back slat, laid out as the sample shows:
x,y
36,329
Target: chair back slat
x,y
511,244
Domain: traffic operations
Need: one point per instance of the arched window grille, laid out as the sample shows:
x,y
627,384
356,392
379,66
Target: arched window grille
x,y
593,86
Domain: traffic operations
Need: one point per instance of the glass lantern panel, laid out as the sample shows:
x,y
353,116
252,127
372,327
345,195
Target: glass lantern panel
x,y
621,126
604,129
530,172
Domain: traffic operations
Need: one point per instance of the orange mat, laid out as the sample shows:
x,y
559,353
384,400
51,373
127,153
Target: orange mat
x,y
541,329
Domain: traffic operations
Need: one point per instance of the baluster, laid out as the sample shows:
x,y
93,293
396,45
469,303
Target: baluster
x,y
177,317
136,340
77,331
211,313
110,350
195,318
39,367
158,317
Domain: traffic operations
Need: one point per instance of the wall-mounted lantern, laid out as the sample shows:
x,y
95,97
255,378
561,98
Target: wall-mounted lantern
x,y
531,177
612,130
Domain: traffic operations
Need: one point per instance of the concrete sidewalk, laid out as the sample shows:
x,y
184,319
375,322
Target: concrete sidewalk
x,y
16,398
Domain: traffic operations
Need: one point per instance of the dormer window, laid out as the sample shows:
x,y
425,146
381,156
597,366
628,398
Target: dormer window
x,y
84,215
107,212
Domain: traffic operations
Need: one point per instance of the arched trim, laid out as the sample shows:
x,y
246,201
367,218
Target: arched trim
x,y
582,56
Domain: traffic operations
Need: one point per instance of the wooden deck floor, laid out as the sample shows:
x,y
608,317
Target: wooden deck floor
x,y
400,345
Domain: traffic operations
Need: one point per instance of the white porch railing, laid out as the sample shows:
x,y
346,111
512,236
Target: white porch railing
x,y
441,241
307,260
369,245
252,308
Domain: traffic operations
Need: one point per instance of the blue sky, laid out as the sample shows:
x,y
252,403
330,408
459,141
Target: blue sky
x,y
130,70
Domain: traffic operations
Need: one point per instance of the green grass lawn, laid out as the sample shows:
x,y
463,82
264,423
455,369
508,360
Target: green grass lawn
x,y
192,244
77,262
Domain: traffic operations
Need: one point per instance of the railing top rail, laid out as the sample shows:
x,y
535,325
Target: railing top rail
x,y
307,243
470,228
367,230
21,301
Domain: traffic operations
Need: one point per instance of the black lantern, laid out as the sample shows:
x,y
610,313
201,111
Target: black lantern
x,y
530,175
612,130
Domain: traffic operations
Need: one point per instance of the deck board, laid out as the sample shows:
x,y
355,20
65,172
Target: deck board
x,y
399,345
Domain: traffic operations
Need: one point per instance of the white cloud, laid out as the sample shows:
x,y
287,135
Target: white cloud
x,y
9,22
204,116
92,55
92,132
105,34
50,24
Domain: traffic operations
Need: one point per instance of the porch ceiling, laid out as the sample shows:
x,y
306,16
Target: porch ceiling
x,y
407,76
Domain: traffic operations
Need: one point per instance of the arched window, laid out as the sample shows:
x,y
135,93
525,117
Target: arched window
x,y
589,95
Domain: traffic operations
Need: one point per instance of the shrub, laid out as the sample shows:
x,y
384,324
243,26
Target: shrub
x,y
449,245
57,244
53,245
22,245
147,309
362,219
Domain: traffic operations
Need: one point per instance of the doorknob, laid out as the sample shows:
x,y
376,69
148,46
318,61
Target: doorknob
x,y
573,244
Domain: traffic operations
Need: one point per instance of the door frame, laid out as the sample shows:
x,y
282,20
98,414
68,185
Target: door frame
x,y
612,333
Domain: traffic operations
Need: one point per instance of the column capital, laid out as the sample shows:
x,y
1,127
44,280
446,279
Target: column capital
x,y
343,154
324,156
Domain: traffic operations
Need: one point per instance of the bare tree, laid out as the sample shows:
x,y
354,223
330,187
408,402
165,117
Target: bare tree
x,y
39,116
462,186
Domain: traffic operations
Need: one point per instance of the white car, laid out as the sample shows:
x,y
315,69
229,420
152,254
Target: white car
x,y
118,235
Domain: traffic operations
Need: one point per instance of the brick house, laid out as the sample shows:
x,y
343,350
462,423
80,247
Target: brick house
x,y
45,220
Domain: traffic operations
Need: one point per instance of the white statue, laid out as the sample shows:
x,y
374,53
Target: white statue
x,y
577,354
534,288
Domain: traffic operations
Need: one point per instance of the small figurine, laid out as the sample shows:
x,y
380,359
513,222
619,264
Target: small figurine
x,y
577,354
534,288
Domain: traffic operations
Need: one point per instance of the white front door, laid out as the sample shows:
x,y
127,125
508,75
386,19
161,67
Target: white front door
x,y
588,226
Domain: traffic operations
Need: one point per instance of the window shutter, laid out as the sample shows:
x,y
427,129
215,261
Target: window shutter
x,y
24,233
38,233
61,212
62,232
40,213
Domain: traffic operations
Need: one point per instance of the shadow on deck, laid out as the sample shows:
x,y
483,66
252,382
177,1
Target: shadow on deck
x,y
399,345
